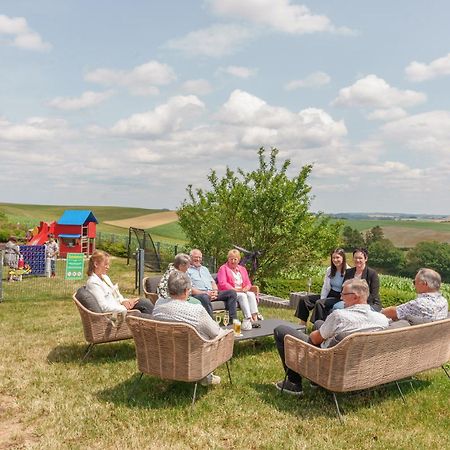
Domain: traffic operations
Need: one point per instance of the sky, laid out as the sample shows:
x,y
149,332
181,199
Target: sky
x,y
126,103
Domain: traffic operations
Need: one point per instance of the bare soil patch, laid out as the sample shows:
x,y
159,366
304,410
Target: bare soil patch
x,y
13,433
410,237
146,221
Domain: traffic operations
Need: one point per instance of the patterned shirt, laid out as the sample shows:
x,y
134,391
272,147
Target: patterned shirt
x,y
427,307
359,317
182,311
161,290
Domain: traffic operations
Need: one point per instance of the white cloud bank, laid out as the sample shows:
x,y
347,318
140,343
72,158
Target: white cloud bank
x,y
215,41
141,80
417,71
281,15
15,31
87,100
238,71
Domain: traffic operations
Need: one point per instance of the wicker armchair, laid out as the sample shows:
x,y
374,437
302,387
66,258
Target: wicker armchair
x,y
175,351
99,328
367,359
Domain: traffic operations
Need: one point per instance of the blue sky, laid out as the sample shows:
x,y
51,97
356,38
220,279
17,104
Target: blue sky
x,y
126,103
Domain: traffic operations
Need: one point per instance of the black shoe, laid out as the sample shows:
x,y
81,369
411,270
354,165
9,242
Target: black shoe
x,y
289,387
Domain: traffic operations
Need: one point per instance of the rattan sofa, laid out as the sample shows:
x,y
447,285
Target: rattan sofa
x,y
366,359
176,351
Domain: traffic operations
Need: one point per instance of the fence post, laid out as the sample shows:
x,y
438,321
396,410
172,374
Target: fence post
x,y
1,277
140,255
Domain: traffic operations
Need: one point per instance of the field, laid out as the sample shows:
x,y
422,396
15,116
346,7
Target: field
x,y
49,399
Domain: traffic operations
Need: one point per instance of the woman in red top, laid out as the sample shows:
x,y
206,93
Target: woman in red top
x,y
233,276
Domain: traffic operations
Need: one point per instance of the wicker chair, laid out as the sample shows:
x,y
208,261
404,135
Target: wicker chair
x,y
176,351
99,328
366,359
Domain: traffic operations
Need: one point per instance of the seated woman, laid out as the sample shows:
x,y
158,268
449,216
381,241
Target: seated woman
x,y
331,289
106,293
233,276
360,271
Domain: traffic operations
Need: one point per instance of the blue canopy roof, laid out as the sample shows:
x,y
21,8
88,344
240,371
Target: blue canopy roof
x,y
76,217
69,236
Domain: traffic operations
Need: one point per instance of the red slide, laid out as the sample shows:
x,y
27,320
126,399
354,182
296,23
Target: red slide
x,y
42,237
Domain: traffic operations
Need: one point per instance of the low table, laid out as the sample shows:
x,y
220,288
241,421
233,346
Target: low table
x,y
267,327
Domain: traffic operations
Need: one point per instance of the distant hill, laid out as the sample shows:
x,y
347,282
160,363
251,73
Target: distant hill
x,y
389,216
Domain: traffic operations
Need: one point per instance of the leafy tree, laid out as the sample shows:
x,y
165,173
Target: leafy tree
x,y
384,254
375,234
262,210
352,238
435,255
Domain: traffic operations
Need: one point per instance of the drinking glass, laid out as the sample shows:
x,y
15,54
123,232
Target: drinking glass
x,y
218,319
226,318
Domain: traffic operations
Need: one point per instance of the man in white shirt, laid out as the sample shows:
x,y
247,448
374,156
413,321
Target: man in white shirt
x,y
356,316
428,306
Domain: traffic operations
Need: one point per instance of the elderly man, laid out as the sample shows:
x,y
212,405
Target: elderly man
x,y
204,288
175,308
428,306
357,315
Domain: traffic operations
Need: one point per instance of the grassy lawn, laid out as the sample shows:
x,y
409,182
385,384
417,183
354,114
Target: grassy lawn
x,y
48,399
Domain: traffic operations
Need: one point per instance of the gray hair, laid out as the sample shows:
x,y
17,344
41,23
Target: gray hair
x,y
195,250
359,287
178,282
430,277
181,260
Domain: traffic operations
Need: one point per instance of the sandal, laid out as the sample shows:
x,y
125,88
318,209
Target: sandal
x,y
260,316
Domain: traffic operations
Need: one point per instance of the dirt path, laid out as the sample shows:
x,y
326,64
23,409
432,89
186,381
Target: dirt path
x,y
147,221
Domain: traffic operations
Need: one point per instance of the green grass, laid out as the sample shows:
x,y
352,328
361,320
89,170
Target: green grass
x,y
171,231
50,400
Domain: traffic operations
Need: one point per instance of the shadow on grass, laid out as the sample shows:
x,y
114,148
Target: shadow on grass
x,y
152,392
100,353
253,346
319,402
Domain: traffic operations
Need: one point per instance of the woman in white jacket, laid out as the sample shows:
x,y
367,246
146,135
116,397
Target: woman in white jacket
x,y
107,293
331,288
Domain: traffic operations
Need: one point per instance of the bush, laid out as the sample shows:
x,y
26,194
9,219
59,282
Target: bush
x,y
282,287
114,248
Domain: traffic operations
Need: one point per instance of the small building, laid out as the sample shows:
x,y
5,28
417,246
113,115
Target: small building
x,y
76,232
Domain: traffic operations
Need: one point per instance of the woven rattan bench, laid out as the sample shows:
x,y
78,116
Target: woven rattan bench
x,y
365,360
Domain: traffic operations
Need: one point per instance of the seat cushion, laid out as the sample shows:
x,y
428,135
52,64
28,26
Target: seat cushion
x,y
87,299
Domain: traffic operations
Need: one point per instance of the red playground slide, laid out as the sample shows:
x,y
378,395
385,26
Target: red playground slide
x,y
42,236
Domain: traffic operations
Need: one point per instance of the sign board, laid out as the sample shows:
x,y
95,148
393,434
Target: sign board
x,y
74,266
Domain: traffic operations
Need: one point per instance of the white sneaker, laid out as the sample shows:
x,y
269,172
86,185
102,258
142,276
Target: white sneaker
x,y
210,379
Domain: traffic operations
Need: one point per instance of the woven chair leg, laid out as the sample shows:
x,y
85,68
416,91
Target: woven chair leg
x,y
195,393
133,388
401,393
88,350
446,371
229,373
341,418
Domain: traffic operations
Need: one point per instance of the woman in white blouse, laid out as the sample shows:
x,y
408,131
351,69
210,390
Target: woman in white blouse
x,y
107,293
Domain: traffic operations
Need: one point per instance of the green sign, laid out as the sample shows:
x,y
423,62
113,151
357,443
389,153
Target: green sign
x,y
74,266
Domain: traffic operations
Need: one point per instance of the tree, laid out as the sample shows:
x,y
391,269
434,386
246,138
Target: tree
x,y
262,210
352,238
434,255
375,234
384,254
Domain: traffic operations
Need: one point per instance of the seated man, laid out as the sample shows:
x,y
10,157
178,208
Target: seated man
x,y
175,308
428,306
204,288
356,316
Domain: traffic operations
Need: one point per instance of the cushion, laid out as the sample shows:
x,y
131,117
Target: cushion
x,y
398,324
87,299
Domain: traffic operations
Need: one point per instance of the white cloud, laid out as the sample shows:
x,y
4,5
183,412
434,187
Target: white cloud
x,y
374,92
215,41
428,133
141,80
281,15
387,114
163,119
239,71
197,87
33,129
87,100
417,71
315,79
17,33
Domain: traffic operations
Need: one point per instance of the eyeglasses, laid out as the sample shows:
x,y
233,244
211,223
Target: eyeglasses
x,y
346,293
